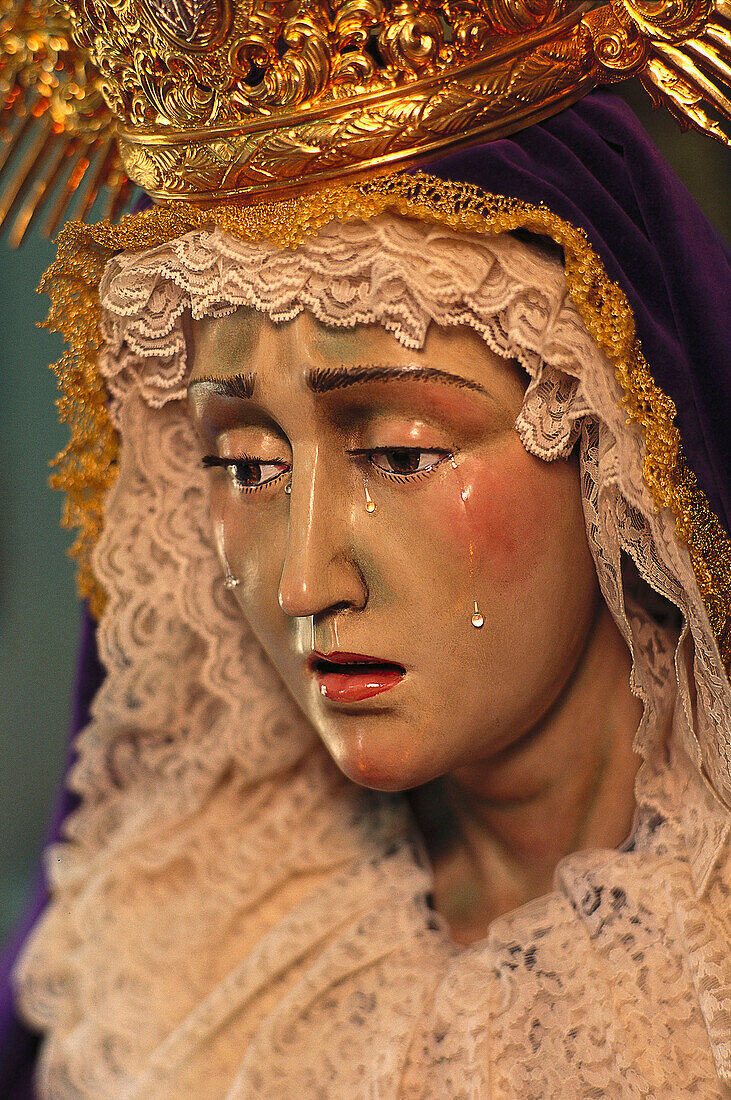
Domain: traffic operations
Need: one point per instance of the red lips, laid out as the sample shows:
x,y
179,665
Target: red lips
x,y
350,677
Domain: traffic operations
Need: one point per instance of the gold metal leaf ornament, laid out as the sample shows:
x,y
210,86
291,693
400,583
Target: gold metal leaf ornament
x,y
299,95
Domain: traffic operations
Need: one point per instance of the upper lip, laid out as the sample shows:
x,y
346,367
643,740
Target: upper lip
x,y
340,657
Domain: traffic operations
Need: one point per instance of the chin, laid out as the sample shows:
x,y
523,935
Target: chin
x,y
378,767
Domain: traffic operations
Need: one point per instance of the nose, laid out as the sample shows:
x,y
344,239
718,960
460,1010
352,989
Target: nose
x,y
320,572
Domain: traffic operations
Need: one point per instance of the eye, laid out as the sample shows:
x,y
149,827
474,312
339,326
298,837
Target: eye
x,y
403,463
247,473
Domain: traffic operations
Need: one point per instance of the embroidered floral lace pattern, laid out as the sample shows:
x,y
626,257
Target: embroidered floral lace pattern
x,y
232,918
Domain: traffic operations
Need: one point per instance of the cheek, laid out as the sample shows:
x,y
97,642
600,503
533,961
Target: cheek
x,y
251,552
515,505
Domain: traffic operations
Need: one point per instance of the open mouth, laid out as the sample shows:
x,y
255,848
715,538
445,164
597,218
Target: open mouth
x,y
350,677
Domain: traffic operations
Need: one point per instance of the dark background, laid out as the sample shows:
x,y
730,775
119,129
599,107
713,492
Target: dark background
x,y
39,614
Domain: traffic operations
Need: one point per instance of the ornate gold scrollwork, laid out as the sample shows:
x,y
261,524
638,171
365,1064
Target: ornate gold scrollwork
x,y
260,98
674,20
619,48
340,88
412,39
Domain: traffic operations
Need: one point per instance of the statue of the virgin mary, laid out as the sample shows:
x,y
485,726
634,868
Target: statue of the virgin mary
x,y
400,460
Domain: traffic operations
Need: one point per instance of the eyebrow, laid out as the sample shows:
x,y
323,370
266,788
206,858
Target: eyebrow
x,y
240,385
326,379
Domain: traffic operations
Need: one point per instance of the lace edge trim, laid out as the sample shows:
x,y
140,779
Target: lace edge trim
x,y
86,467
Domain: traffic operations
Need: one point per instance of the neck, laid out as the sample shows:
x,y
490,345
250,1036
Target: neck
x,y
566,785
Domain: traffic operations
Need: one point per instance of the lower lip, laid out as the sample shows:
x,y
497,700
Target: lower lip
x,y
351,687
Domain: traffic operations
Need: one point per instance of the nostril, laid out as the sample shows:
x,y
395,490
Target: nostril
x,y
320,573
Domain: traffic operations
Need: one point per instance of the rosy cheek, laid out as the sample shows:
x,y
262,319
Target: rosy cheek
x,y
502,528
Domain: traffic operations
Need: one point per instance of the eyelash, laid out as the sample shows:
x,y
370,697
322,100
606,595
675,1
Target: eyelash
x,y
215,460
391,475
364,452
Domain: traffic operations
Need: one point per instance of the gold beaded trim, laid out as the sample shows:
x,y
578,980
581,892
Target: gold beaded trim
x,y
86,467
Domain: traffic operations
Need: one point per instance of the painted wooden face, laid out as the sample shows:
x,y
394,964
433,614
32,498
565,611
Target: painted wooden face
x,y
369,498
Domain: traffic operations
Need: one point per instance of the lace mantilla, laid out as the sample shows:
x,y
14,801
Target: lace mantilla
x,y
231,917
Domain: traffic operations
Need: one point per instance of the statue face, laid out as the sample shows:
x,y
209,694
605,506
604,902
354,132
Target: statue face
x,y
411,503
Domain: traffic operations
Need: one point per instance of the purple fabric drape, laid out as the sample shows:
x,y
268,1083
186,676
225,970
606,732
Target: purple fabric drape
x,y
594,166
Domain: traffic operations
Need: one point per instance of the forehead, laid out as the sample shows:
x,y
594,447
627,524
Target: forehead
x,y
286,352
248,339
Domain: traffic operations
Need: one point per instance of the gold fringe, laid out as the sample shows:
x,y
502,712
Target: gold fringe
x,y
86,468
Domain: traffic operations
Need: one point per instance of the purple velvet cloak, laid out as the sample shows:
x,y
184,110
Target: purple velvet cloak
x,y
594,166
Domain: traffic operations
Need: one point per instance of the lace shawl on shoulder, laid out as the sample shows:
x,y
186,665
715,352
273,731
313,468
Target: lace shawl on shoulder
x,y
231,917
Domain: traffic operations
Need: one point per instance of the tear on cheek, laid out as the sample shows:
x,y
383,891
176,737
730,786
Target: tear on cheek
x,y
498,516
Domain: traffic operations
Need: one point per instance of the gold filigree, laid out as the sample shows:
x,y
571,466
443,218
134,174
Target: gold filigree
x,y
257,99
86,467
620,49
278,159
670,20
302,96
322,90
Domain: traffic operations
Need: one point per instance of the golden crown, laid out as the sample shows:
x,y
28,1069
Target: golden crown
x,y
253,99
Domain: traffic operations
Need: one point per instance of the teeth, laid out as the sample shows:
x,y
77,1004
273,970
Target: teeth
x,y
323,665
345,665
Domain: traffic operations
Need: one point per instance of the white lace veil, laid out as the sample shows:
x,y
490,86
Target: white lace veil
x,y
231,917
